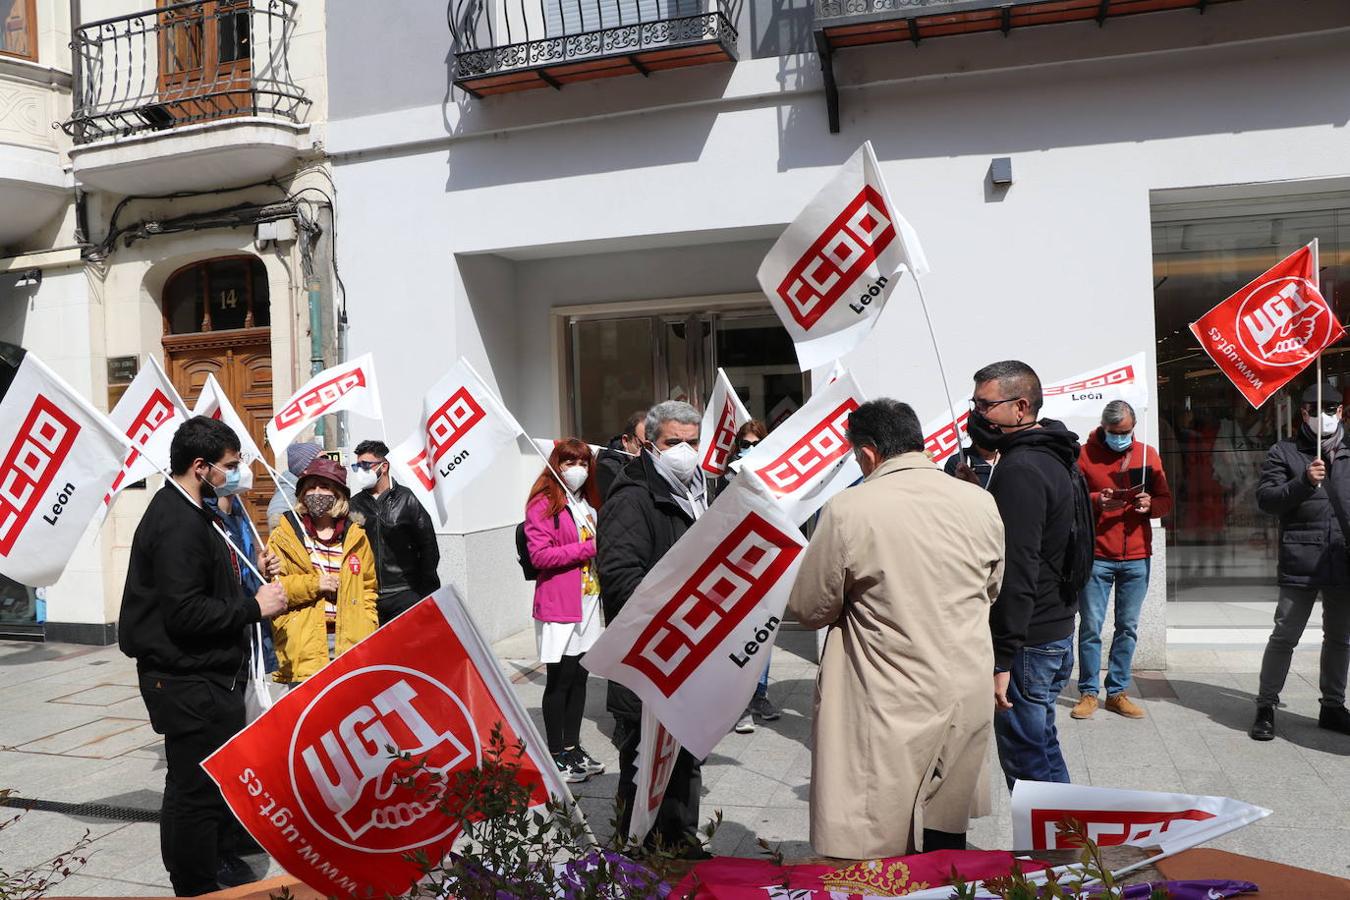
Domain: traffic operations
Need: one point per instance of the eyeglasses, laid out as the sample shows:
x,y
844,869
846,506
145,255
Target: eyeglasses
x,y
983,406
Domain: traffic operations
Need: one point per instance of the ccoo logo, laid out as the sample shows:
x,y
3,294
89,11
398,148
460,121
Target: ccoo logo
x,y
351,788
1281,319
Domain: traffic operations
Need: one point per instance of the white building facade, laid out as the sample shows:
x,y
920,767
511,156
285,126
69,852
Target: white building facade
x,y
590,243
165,195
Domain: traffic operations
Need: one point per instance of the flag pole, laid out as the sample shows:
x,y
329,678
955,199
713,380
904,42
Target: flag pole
x,y
1317,274
942,373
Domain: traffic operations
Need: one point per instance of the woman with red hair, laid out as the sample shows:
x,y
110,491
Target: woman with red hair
x,y
560,534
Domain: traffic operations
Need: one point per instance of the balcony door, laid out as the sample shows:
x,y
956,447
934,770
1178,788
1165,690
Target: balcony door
x,y
217,322
205,60
620,364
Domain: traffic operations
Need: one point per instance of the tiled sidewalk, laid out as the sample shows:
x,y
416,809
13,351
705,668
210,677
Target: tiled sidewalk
x,y
74,731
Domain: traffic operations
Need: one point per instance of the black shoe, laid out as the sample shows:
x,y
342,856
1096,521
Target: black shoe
x,y
569,768
1263,729
763,709
234,872
592,765
1334,718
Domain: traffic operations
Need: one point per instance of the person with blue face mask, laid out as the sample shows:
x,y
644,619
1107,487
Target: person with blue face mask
x,y
1128,489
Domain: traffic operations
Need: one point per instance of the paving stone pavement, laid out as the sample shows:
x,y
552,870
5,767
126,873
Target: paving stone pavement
x,y
73,730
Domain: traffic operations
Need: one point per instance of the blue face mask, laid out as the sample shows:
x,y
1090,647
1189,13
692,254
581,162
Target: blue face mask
x,y
231,485
1119,442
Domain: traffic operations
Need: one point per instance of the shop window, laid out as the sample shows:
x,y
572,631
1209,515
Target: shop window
x,y
217,295
1220,546
19,35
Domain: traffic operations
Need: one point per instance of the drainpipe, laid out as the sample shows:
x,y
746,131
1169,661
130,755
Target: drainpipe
x,y
76,69
316,341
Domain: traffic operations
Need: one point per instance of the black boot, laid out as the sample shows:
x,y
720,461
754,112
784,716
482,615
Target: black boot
x,y
1334,718
1263,729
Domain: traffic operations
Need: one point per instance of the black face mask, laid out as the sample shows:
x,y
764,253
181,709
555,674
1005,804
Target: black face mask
x,y
983,433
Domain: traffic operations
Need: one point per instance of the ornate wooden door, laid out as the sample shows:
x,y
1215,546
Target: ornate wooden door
x,y
242,363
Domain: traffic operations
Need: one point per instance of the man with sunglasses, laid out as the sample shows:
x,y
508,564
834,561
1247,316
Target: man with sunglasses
x,y
1032,620
1310,495
400,531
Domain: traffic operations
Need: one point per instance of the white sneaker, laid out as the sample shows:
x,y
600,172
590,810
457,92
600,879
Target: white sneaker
x,y
746,724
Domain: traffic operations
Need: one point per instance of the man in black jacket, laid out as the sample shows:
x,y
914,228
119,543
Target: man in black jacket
x,y
1311,496
622,448
400,532
185,619
1032,620
652,502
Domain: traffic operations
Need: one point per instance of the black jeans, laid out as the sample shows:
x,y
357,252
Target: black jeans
x,y
388,607
677,819
564,703
196,717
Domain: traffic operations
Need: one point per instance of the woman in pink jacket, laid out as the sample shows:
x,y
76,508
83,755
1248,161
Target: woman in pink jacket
x,y
560,534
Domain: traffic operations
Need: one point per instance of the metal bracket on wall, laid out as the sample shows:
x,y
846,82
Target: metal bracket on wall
x,y
827,70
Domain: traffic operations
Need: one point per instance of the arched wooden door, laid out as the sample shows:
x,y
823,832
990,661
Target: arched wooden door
x,y
217,321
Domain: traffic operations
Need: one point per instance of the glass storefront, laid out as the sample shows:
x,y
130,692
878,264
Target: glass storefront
x,y
1220,546
625,363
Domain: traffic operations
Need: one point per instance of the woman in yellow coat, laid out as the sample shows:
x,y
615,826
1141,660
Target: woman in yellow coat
x,y
328,573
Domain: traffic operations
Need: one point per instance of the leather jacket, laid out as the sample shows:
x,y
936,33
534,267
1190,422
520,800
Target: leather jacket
x,y
404,539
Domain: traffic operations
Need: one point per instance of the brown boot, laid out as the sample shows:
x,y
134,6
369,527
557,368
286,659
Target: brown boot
x,y
1123,706
1085,707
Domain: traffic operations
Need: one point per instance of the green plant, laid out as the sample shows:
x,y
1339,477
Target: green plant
x,y
509,848
32,882
1093,878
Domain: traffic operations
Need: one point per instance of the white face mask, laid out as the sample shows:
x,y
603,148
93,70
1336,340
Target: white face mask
x,y
1329,423
681,460
575,477
362,479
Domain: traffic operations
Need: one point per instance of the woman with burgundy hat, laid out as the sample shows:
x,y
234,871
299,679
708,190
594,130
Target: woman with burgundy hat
x,y
328,570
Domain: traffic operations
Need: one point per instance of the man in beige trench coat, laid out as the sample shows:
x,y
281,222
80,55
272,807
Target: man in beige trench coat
x,y
902,569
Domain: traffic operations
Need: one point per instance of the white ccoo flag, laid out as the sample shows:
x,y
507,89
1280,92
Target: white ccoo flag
x,y
213,404
808,458
657,752
1112,816
691,640
722,417
58,458
829,274
1079,396
463,427
149,414
349,386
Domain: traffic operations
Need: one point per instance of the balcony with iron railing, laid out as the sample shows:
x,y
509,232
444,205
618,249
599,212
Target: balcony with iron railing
x,y
504,46
163,71
852,23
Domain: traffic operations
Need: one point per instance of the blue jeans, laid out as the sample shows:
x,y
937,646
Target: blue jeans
x,y
1028,744
762,689
1130,578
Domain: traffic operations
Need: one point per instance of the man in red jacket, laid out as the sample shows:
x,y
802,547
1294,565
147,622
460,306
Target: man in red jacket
x,y
1128,489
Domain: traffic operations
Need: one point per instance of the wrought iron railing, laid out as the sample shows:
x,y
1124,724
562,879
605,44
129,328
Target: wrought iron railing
x,y
509,35
835,9
184,63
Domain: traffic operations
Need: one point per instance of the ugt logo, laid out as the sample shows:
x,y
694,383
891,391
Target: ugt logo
x,y
156,411
34,458
712,603
723,437
817,450
838,258
1110,827
320,399
1281,319
349,785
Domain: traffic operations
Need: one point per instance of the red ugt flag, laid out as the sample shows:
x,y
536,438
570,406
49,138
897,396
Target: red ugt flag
x,y
314,783
1269,331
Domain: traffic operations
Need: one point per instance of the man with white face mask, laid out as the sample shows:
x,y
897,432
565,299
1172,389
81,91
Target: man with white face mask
x,y
651,503
400,530
1310,495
